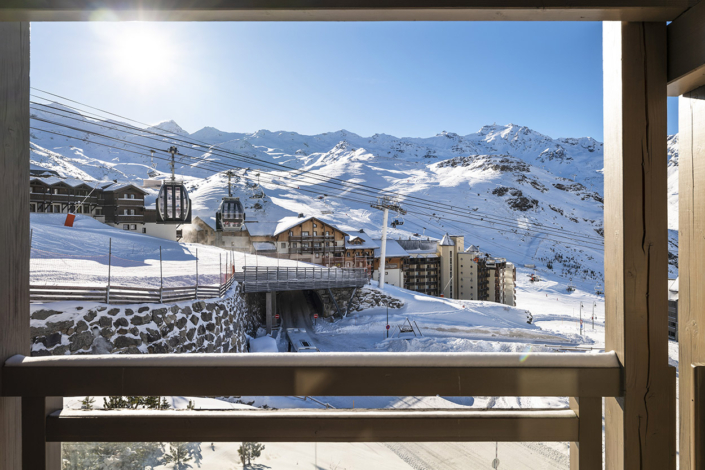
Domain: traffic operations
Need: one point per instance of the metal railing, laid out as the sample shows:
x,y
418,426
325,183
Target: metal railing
x,y
273,278
586,378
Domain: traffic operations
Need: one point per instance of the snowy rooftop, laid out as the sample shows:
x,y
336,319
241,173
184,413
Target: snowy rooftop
x,y
264,246
419,246
73,182
367,241
119,186
446,241
472,249
394,249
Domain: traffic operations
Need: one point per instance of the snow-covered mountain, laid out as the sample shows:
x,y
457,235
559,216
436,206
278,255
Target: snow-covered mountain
x,y
509,189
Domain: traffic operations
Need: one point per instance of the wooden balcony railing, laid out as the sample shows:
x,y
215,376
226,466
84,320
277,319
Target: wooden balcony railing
x,y
585,377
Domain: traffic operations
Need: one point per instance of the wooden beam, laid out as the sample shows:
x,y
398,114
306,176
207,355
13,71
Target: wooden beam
x,y
14,231
37,453
322,374
313,426
691,298
686,51
586,452
697,443
636,265
343,10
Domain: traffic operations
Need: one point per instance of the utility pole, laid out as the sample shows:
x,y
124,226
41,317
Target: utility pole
x,y
173,151
581,318
384,204
230,174
593,314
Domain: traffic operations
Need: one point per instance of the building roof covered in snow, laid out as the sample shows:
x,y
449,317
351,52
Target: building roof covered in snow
x,y
36,170
394,250
264,246
360,240
419,246
120,186
472,249
261,229
446,241
72,182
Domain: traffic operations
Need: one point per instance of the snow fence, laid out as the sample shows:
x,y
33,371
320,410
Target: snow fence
x,y
205,326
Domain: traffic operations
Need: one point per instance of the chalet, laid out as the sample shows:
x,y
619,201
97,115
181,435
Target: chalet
x,y
121,205
360,251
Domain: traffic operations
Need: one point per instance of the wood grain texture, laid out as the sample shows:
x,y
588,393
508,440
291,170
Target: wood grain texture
x,y
636,269
343,10
37,453
14,231
691,230
686,51
586,452
314,426
313,381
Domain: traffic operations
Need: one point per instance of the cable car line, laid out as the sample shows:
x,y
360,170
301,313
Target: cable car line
x,y
215,170
558,232
211,149
562,239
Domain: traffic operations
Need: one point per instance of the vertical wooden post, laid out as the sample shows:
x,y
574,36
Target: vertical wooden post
x,y
586,454
637,425
37,454
14,231
691,245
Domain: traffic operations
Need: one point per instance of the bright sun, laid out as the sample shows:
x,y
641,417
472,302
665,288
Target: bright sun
x,y
142,53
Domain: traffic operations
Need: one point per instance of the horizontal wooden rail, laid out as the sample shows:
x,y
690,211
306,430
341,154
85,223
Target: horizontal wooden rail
x,y
313,426
317,374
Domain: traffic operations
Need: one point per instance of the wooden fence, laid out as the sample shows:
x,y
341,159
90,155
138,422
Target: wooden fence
x,y
127,295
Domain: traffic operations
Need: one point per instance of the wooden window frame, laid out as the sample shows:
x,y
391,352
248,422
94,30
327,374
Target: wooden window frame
x,y
638,75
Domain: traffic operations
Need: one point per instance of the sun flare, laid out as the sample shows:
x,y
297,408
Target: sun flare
x,y
142,53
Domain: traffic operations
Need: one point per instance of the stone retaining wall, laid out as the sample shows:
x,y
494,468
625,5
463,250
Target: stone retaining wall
x,y
365,297
214,325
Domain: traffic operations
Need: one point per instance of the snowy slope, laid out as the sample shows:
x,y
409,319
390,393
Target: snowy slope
x,y
514,192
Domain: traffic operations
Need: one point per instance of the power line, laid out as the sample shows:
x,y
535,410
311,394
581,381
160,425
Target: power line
x,y
207,166
325,186
219,152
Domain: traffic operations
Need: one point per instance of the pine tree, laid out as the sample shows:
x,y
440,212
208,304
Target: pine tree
x,y
249,451
178,455
87,403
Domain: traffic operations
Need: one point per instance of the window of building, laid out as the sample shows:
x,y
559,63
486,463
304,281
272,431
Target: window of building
x,y
124,212
126,226
294,245
314,225
133,227
316,255
132,212
144,229
291,233
304,245
304,234
315,234
283,245
327,233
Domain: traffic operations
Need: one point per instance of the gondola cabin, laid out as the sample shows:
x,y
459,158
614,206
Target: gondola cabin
x,y
230,216
173,204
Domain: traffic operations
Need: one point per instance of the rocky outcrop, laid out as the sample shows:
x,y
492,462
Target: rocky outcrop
x,y
215,325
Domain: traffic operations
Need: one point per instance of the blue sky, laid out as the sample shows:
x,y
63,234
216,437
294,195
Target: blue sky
x,y
404,79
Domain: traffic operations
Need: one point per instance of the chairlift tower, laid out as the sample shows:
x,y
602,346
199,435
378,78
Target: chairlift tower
x,y
385,204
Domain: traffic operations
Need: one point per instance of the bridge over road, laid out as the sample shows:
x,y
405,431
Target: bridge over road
x,y
275,279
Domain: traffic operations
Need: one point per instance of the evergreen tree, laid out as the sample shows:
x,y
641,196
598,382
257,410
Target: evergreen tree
x,y
178,455
87,403
249,451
